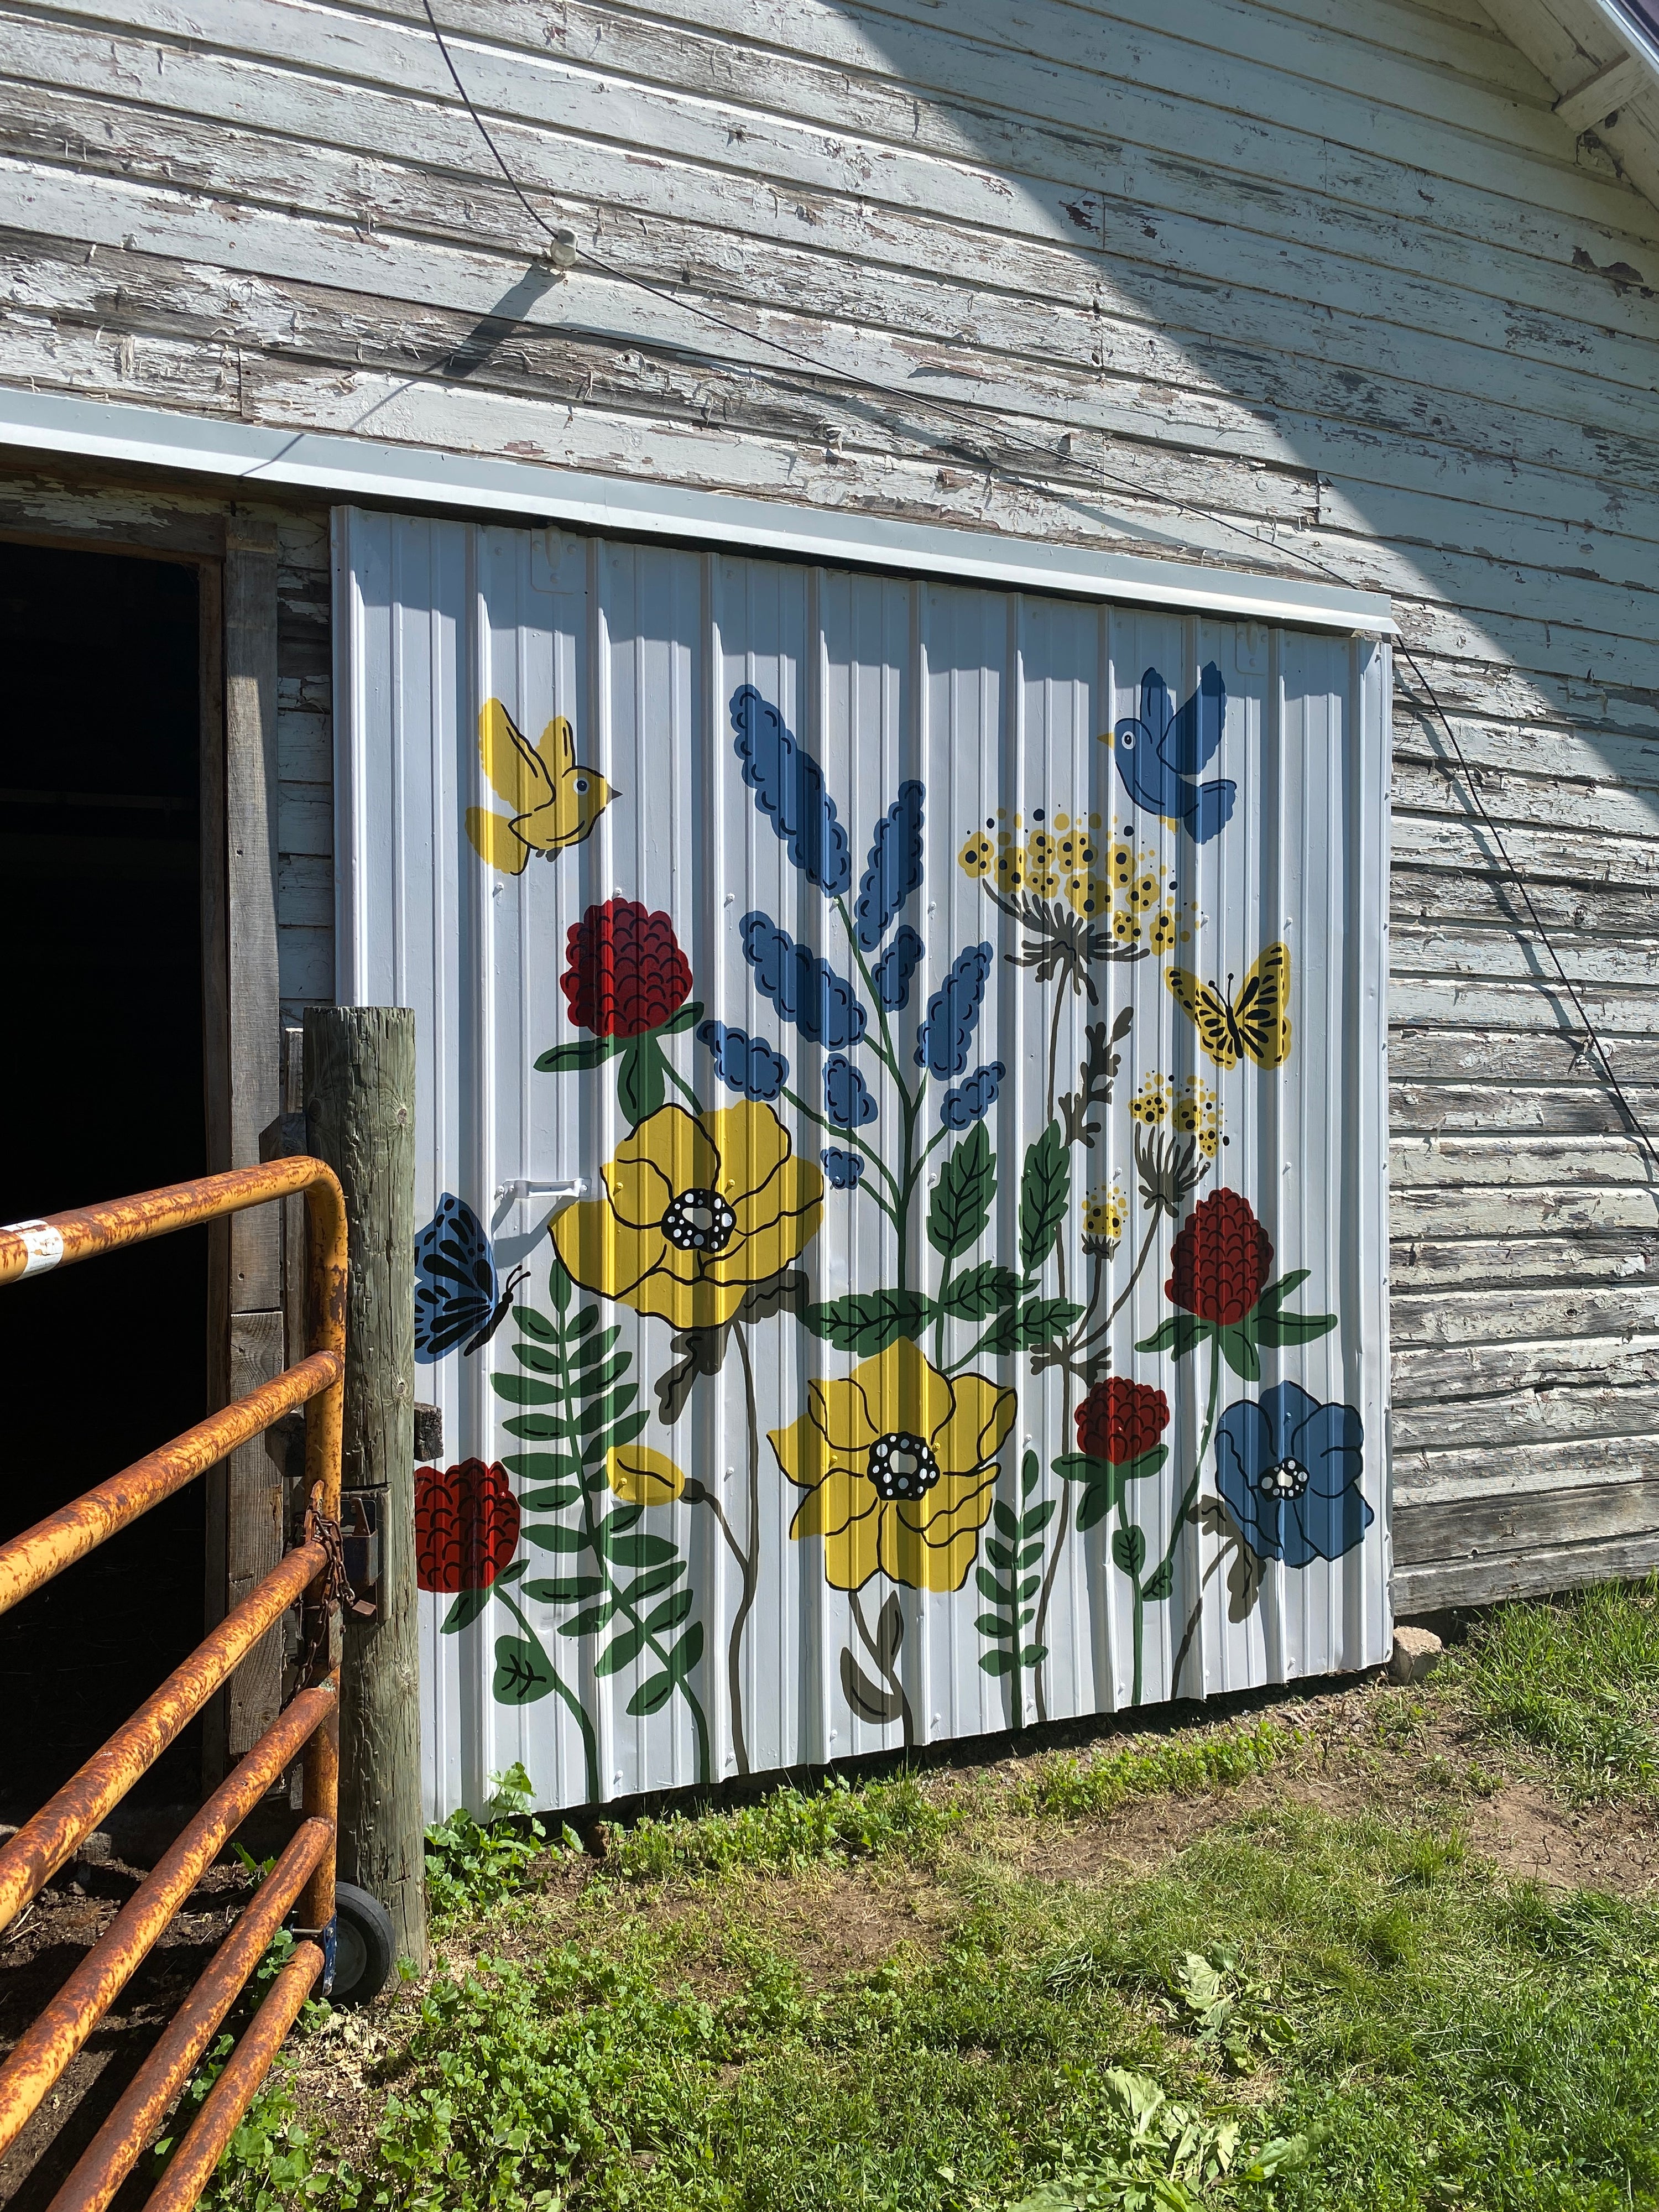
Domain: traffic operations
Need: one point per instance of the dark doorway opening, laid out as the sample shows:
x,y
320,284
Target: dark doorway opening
x,y
100,962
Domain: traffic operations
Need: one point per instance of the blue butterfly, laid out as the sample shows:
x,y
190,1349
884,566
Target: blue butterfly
x,y
1159,753
456,1292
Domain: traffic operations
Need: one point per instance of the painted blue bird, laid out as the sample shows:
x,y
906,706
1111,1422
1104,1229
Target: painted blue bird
x,y
1161,751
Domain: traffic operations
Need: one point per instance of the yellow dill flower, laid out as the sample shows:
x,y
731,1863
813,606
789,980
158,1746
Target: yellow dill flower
x,y
1151,1103
1106,1212
1124,927
1121,863
1197,1113
1143,891
1011,868
977,855
1163,930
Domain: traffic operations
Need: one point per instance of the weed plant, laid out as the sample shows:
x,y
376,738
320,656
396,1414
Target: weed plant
x,y
1071,1787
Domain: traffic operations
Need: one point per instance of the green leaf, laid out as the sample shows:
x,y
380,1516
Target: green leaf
x,y
543,1467
1000,1555
1236,1348
535,1324
560,1287
961,1204
998,1662
1149,1463
1095,1504
639,1551
1028,1554
641,1080
587,1319
589,1052
599,1411
1159,1586
589,1622
648,1584
465,1611
651,1697
686,1653
1007,1522
554,1536
1045,1192
989,1587
670,1613
524,1390
589,1386
1040,1321
621,1651
996,1625
566,1589
550,1501
524,1672
1034,1655
1030,1474
691,1013
1039,1517
983,1290
1082,1467
1291,1329
623,1434
1276,1293
583,1355
1129,1550
867,1322
1027,1587
1178,1334
619,1521
539,1361
537,1428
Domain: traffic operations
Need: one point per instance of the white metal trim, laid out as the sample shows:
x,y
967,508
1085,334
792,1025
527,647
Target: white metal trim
x,y
365,468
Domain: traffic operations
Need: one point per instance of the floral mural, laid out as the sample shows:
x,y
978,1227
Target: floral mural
x,y
961,1420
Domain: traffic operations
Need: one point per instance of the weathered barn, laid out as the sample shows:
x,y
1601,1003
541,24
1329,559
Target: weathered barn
x,y
1332,298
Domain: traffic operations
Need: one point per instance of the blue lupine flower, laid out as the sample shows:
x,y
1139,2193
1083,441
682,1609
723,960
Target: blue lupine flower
x,y
974,1098
1289,1469
843,1168
743,1062
789,788
945,1038
847,1098
895,869
805,989
892,972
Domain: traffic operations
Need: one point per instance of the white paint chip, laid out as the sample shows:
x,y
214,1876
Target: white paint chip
x,y
44,1245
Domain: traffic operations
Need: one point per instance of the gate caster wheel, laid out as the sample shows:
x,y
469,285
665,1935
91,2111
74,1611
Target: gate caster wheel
x,y
364,1945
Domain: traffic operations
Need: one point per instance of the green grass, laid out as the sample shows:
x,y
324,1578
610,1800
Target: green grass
x,y
1301,2011
1578,1680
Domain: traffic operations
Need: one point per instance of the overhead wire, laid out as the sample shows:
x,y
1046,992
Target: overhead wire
x,y
824,371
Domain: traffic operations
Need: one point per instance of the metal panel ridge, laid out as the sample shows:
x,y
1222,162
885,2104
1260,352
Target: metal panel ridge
x,y
902,1144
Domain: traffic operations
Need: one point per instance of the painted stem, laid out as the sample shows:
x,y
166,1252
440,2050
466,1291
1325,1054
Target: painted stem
x,y
681,1084
751,1559
590,1742
887,1673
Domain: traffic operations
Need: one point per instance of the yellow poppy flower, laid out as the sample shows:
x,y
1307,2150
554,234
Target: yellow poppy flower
x,y
695,1211
897,1462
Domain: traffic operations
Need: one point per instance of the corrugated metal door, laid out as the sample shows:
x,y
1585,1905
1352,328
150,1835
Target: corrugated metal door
x,y
962,1014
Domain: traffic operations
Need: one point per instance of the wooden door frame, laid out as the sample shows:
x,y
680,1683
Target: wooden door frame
x,y
234,551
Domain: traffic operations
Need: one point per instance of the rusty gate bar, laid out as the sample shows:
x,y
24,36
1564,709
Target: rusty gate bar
x,y
120,2143
308,1723
57,1542
193,2162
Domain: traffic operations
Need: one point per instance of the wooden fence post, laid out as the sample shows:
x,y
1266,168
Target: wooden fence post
x,y
360,1113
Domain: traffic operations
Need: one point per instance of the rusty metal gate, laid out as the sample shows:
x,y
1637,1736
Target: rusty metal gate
x,y
304,1873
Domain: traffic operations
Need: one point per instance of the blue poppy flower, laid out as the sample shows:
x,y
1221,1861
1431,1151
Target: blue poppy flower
x,y
847,1098
843,1168
1289,1469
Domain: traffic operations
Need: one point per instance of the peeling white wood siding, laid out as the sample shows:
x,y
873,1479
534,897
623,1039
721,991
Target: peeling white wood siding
x,y
1336,273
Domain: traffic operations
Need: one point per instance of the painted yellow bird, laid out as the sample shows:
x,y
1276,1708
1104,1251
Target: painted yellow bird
x,y
555,800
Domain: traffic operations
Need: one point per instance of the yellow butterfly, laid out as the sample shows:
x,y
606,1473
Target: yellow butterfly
x,y
1254,1023
555,800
